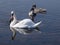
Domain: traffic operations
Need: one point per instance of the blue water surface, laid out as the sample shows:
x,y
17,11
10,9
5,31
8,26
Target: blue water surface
x,y
50,26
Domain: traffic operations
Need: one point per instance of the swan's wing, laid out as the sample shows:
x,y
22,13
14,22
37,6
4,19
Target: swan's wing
x,y
25,22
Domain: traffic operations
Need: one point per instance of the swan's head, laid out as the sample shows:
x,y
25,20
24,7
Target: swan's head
x,y
12,13
12,16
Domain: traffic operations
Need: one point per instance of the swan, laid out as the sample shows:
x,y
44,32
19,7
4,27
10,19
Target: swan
x,y
33,11
22,24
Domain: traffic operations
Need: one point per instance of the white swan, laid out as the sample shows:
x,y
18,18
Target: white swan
x,y
23,24
34,11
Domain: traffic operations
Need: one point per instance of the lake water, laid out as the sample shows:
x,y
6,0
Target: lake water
x,y
50,27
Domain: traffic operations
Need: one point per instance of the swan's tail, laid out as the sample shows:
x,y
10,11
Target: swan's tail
x,y
37,24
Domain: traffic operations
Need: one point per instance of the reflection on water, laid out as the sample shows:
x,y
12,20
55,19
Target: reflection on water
x,y
22,31
26,31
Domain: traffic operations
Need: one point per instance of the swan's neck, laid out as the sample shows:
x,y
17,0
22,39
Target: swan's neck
x,y
13,22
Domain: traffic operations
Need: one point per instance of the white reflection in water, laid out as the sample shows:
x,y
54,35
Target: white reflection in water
x,y
22,31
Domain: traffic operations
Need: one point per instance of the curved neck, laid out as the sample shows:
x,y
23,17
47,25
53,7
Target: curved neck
x,y
14,21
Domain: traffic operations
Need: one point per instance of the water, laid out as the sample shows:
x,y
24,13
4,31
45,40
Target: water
x,y
50,26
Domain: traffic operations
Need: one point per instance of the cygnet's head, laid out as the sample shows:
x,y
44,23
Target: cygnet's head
x,y
34,5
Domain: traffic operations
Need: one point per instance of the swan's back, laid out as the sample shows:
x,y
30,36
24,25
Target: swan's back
x,y
24,22
27,22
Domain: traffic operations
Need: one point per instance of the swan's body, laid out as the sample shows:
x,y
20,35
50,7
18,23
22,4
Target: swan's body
x,y
25,23
22,24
